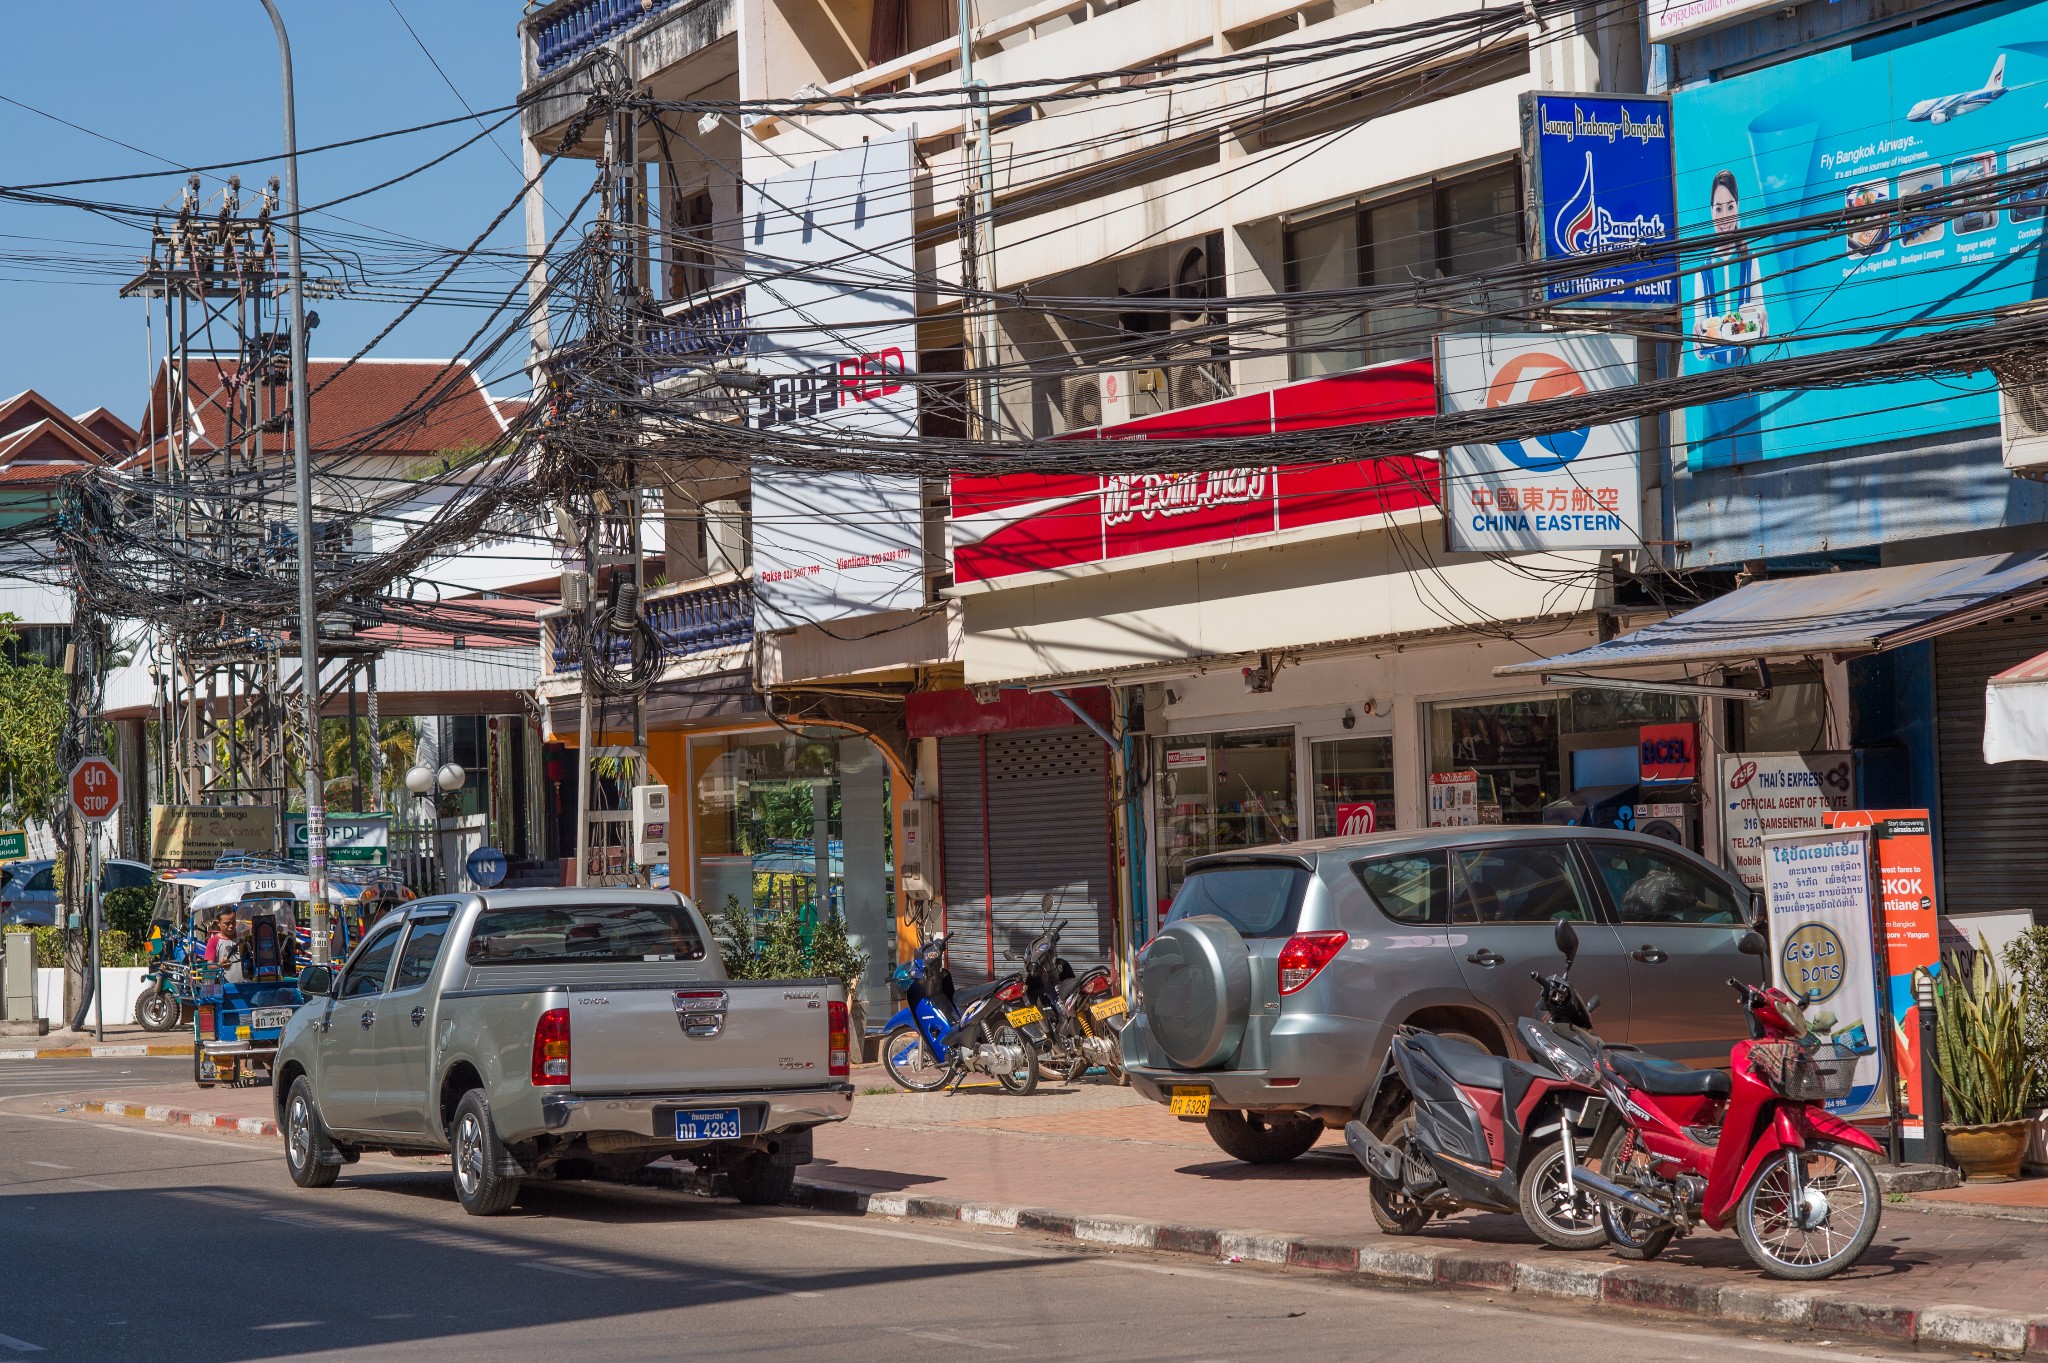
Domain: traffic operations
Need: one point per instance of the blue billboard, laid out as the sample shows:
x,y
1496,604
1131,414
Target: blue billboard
x,y
1954,100
1600,179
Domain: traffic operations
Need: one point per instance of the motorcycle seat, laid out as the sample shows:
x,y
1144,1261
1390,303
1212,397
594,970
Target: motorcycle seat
x,y
1653,1075
979,991
1464,1062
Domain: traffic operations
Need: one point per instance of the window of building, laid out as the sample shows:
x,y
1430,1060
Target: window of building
x,y
1502,761
1354,785
1466,226
1220,791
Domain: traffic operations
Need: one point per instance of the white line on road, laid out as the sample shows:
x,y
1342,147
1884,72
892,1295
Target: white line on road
x,y
560,1268
45,1164
1008,1251
753,1286
20,1346
136,1129
948,1337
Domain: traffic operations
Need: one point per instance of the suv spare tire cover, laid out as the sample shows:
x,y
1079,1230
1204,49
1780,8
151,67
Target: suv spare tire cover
x,y
1197,981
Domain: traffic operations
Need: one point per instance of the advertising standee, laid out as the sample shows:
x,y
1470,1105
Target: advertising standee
x,y
1903,844
1817,886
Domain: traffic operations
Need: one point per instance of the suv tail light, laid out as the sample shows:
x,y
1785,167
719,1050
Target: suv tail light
x,y
1011,992
1304,957
551,1048
837,1041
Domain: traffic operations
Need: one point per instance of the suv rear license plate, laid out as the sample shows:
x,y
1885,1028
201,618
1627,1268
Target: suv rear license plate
x,y
1189,1102
262,1018
1024,1017
709,1124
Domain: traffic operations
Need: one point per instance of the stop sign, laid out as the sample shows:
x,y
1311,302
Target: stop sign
x,y
95,789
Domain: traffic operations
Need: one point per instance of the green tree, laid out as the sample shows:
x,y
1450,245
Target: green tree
x,y
34,704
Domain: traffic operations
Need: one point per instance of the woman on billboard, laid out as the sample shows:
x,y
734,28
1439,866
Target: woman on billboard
x,y
1727,319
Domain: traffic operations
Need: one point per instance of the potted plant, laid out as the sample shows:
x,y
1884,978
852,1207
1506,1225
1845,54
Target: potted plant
x,y
1985,1068
834,956
2027,958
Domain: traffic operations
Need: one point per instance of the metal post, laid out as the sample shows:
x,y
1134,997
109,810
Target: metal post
x,y
376,743
978,271
99,932
1933,1110
309,624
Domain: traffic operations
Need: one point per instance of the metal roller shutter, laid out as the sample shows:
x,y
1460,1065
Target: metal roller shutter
x,y
1025,820
963,826
1992,817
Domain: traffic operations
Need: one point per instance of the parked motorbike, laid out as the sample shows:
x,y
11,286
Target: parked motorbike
x,y
1462,1129
1756,1147
1083,1016
940,1036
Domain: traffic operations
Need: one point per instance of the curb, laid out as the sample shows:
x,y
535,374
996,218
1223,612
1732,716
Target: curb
x,y
107,1052
1408,1263
171,1116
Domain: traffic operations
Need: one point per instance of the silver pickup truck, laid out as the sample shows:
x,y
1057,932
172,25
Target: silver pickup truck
x,y
558,1034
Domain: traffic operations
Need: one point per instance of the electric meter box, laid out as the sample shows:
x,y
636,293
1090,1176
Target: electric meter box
x,y
650,824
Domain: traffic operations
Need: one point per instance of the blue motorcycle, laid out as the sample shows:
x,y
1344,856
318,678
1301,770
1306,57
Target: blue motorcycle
x,y
939,1037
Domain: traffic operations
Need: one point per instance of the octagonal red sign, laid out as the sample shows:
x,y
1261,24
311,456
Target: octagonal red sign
x,y
95,789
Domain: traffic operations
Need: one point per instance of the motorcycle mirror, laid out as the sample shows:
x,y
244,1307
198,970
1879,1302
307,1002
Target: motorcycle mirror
x,y
1592,1003
1567,941
1753,944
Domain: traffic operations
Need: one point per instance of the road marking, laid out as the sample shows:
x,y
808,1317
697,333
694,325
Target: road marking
x,y
947,1337
137,1129
291,1325
753,1286
563,1269
305,1222
45,1164
1006,1250
20,1346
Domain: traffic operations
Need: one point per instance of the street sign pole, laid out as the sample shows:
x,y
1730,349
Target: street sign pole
x,y
99,934
95,790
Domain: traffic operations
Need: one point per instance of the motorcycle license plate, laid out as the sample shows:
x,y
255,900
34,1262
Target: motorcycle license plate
x,y
1024,1017
709,1124
1189,1102
263,1018
1110,1008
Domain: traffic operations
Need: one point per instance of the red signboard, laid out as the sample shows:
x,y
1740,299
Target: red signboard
x,y
1670,752
1362,817
1030,522
95,789
1904,848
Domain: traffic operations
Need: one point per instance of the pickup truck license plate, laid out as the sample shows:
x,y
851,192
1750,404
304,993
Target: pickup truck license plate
x,y
1189,1102
709,1124
262,1018
1110,1008
1024,1017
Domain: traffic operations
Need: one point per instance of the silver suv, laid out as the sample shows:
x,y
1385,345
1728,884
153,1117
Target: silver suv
x,y
1271,993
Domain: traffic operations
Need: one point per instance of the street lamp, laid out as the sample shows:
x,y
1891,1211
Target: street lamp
x,y
309,632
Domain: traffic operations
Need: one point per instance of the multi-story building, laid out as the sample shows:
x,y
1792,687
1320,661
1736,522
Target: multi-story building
x,y
1097,676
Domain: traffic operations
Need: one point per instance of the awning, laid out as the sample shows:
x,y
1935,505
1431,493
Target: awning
x,y
1864,611
2016,713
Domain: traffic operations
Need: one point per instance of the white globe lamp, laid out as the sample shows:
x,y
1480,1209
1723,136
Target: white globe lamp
x,y
450,776
419,780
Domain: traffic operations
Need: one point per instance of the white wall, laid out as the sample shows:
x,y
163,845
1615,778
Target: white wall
x,y
122,986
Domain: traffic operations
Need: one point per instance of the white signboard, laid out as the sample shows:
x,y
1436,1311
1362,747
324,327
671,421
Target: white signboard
x,y
1453,799
1818,887
1784,792
831,315
1574,489
1672,19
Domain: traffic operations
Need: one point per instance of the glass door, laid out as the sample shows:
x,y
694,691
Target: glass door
x,y
1212,792
1353,784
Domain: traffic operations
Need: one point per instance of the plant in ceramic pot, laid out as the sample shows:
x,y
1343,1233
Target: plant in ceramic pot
x,y
1985,1068
2027,958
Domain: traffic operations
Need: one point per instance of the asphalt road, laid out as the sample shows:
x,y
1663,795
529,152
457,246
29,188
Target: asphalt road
x,y
121,1240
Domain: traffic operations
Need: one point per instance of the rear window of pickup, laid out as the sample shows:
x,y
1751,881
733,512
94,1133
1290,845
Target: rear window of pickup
x,y
585,934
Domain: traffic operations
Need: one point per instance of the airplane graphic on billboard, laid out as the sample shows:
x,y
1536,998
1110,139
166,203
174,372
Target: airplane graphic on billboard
x,y
1955,106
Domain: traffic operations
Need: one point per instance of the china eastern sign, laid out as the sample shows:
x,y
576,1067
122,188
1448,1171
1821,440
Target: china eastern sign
x,y
1013,524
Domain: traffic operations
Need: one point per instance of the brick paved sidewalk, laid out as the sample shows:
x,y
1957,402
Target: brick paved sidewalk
x,y
1102,1156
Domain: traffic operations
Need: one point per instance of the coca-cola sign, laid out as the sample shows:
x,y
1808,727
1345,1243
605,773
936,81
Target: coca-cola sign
x,y
1024,523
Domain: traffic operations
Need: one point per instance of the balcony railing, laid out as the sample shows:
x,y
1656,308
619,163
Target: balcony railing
x,y
575,30
688,622
699,334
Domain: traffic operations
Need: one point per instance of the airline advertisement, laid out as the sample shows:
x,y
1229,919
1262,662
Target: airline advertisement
x,y
1817,887
1904,846
1928,109
1598,168
1576,489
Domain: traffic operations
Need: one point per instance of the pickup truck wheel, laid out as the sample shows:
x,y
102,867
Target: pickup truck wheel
x,y
761,1180
1258,1139
308,1153
477,1155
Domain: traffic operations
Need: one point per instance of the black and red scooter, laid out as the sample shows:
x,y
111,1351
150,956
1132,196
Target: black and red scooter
x,y
1450,1127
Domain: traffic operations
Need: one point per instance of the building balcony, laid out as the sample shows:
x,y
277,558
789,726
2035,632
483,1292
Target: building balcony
x,y
676,46
695,334
690,619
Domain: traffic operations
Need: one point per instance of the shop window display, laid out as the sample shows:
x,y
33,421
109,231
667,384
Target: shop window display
x,y
1354,785
1218,791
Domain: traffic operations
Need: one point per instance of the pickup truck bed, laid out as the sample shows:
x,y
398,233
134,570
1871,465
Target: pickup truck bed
x,y
594,1025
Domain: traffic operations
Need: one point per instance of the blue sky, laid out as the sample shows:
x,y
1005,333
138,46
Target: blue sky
x,y
197,82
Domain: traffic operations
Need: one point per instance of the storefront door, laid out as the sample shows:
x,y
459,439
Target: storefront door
x,y
1353,784
1214,792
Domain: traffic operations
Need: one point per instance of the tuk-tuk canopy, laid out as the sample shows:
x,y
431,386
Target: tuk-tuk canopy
x,y
227,893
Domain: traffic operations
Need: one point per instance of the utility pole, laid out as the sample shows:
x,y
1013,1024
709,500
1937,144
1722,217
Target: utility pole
x,y
309,623
977,242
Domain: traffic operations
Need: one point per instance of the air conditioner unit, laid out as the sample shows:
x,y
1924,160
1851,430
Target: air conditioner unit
x,y
1189,384
2023,413
1088,400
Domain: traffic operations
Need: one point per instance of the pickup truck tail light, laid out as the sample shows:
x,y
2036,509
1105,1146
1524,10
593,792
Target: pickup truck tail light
x,y
838,1040
1304,957
551,1048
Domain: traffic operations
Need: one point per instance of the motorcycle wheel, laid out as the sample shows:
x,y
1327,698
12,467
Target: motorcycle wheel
x,y
908,1058
156,1010
1024,1079
1559,1216
1631,1234
1393,1210
1817,1232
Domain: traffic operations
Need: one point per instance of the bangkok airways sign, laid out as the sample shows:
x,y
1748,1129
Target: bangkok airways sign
x,y
1599,176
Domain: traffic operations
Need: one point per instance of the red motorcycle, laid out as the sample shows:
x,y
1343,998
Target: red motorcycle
x,y
1756,1147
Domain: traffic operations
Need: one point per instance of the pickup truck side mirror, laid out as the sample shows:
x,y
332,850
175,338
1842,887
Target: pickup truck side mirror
x,y
316,980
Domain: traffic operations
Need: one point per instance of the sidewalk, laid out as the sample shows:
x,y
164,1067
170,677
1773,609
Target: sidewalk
x,y
123,1039
1096,1163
